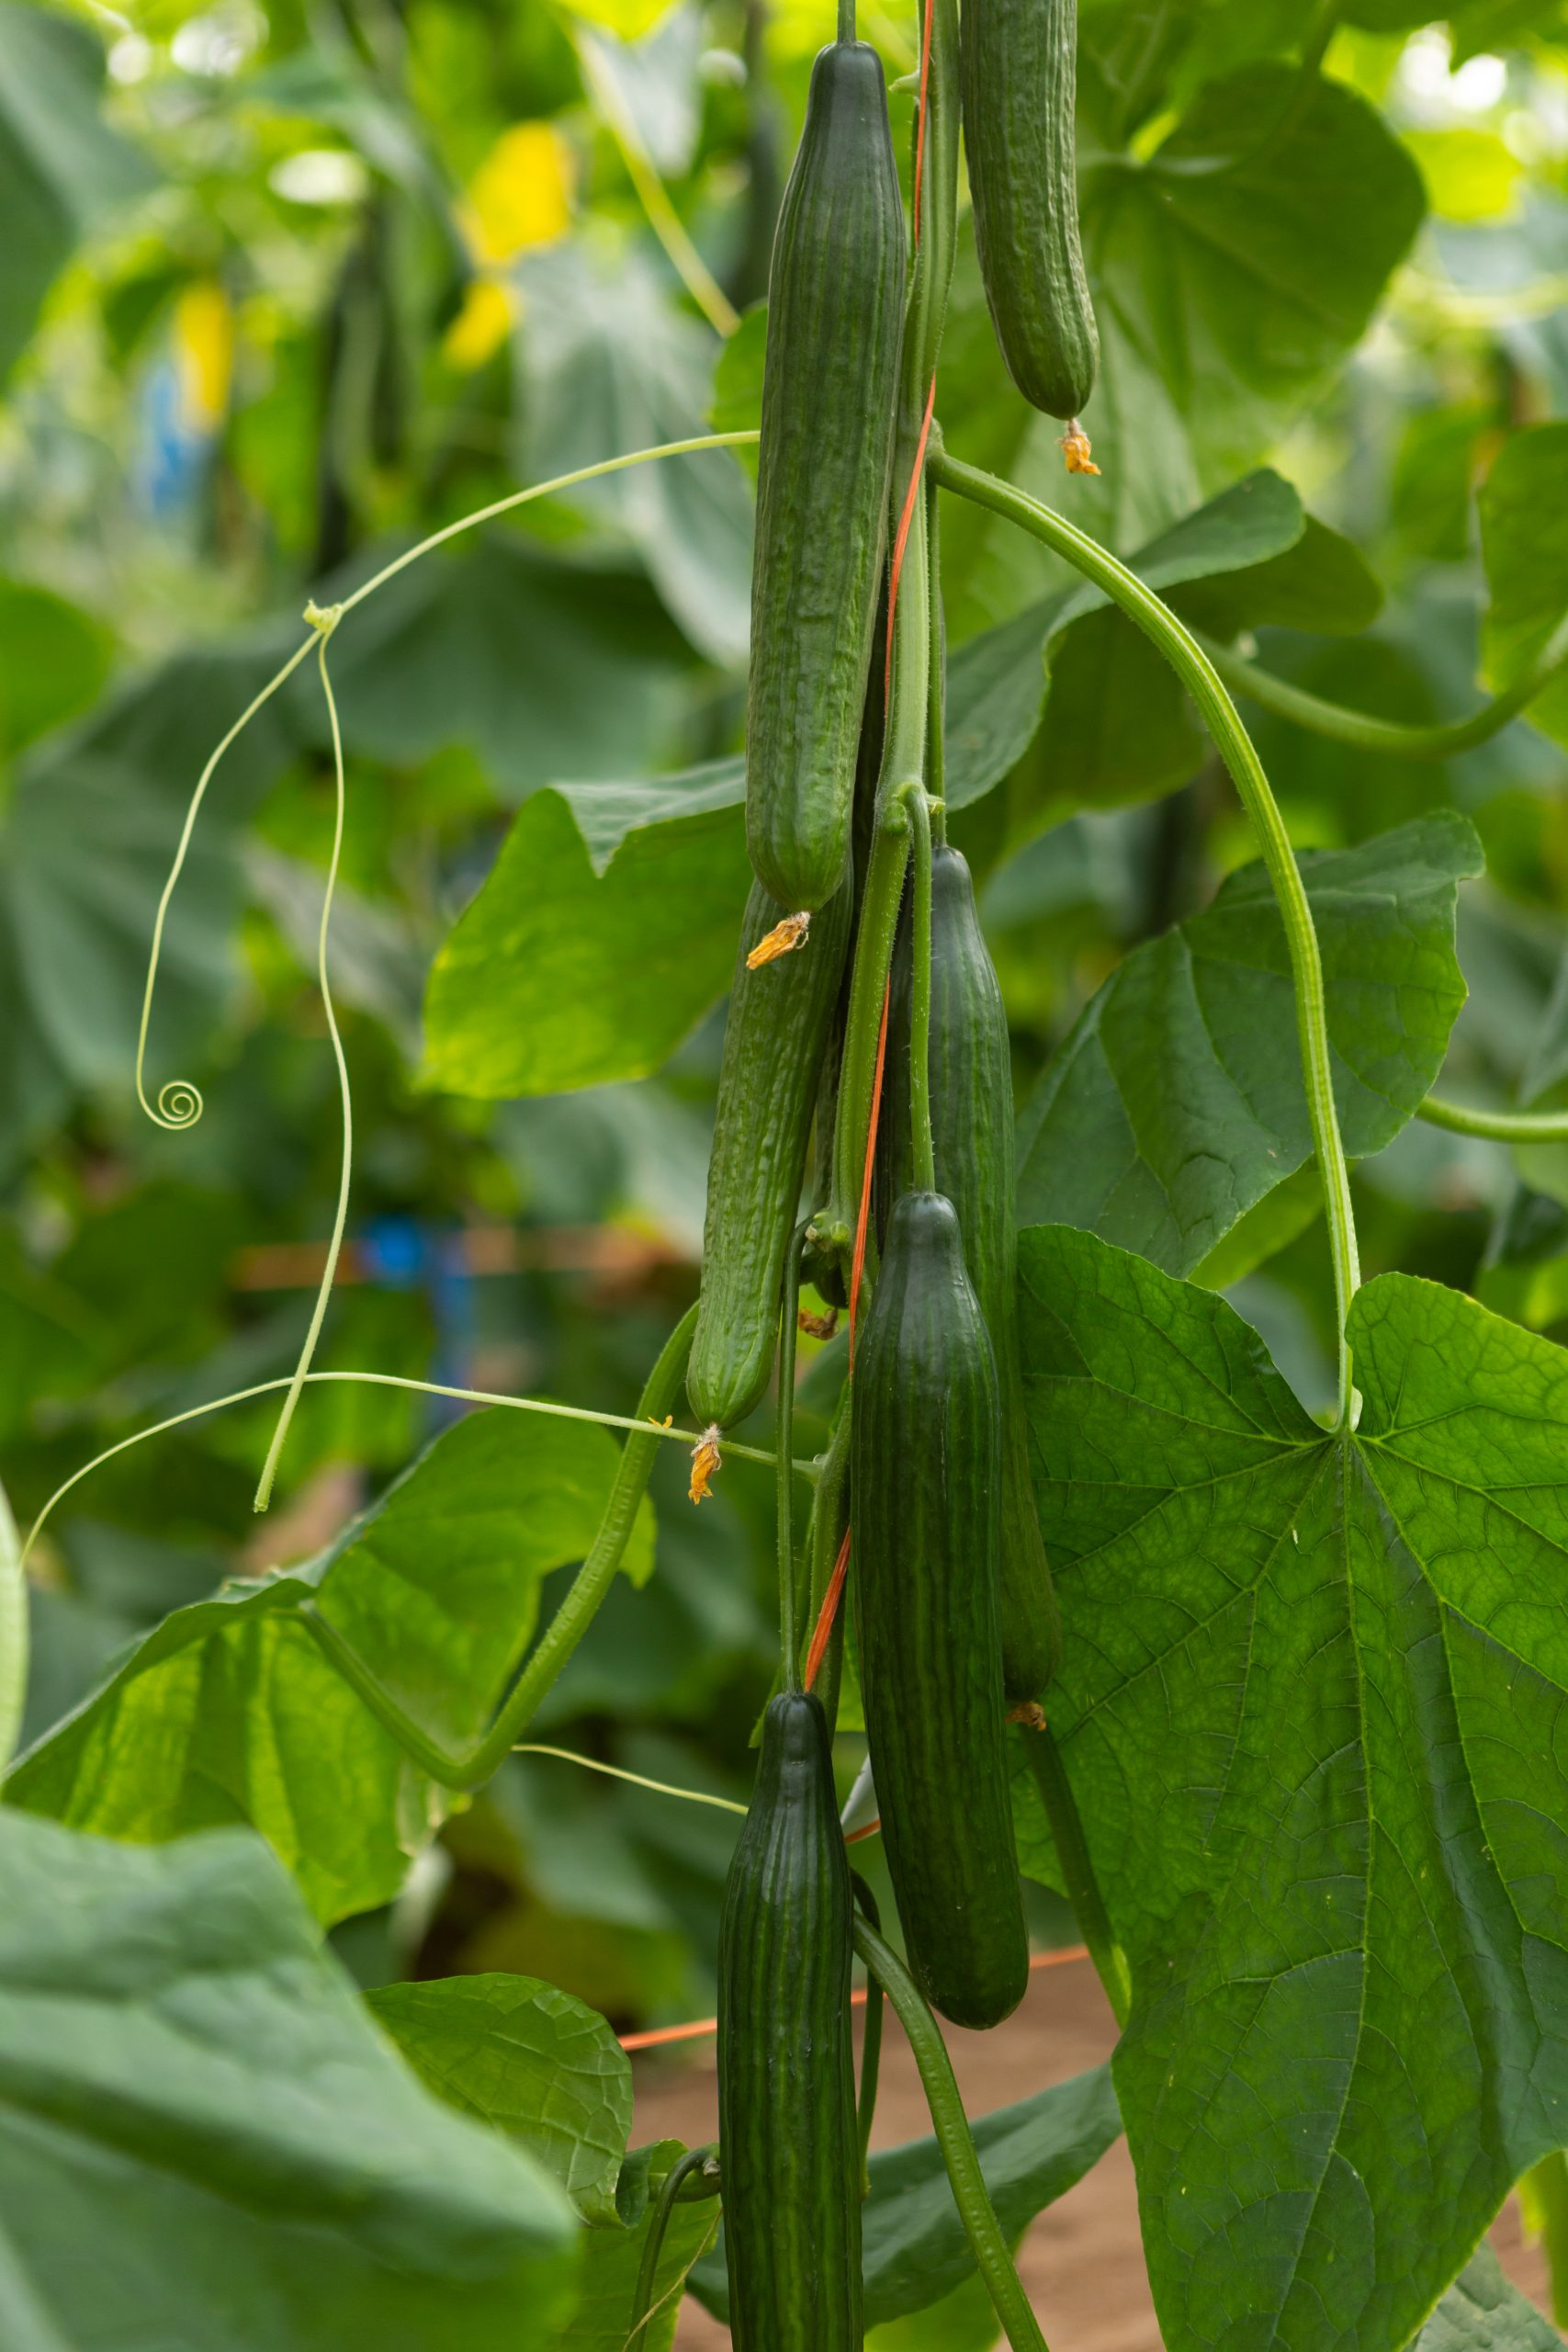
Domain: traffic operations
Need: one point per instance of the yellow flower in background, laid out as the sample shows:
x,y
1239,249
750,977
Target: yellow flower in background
x,y
519,197
204,353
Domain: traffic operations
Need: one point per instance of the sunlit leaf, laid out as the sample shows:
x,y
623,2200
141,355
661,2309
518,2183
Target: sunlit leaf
x,y
1524,539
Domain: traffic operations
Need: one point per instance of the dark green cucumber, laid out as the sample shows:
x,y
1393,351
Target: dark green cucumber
x,y
972,1130
925,1481
788,2145
779,1017
835,316
1019,73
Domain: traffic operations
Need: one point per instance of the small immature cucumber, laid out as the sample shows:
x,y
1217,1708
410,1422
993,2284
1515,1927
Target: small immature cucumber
x,y
972,1130
925,1479
1019,60
835,316
788,2145
779,1017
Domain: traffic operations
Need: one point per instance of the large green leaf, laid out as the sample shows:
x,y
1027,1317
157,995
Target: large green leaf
x,y
612,2258
205,2143
605,931
611,366
228,1712
529,2058
1524,539
1177,1101
915,2249
62,169
1309,1705
997,681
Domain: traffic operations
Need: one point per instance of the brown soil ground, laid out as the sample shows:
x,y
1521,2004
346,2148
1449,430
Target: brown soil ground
x,y
1081,2261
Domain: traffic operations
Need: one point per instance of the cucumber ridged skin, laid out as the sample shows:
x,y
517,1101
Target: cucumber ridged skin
x,y
1019,73
830,382
788,2145
972,1130
774,1039
925,1514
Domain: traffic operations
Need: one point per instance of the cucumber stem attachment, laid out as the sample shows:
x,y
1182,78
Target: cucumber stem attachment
x,y
977,2213
1045,1759
1219,714
783,1455
702,2161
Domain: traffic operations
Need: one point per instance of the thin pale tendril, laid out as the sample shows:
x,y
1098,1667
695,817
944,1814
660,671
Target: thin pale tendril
x,y
180,1102
638,1780
803,1468
323,623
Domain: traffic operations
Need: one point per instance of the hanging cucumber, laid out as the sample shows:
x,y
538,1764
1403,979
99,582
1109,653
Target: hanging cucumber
x,y
1019,60
779,1017
835,313
787,2133
972,1132
925,1491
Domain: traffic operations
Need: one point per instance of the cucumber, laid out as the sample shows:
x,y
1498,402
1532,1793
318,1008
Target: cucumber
x,y
925,1490
775,1040
1020,69
788,2144
835,316
972,1129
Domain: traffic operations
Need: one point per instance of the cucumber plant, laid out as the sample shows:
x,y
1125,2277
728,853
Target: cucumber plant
x,y
1265,1685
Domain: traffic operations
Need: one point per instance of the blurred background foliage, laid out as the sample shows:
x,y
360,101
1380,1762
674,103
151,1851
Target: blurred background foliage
x,y
283,289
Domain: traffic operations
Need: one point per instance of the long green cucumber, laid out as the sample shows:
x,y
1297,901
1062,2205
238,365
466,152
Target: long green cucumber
x,y
1019,60
835,315
972,1130
788,2144
780,1016
925,1490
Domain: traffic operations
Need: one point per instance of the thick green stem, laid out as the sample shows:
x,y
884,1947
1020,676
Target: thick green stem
x,y
695,2160
920,995
1077,1870
831,1516
783,1471
1219,714
936,657
1496,1126
1387,735
937,237
472,1768
986,2241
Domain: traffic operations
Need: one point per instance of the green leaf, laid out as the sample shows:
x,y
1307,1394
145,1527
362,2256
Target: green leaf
x,y
915,2251
604,932
965,2321
184,2069
1524,542
738,383
611,2259
1119,728
1482,2313
61,170
53,660
229,1713
997,682
538,666
1176,1105
529,2060
609,366
1308,1706
1323,582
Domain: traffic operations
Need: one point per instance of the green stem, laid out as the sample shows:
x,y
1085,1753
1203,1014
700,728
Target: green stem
x,y
1219,714
829,1518
936,685
695,2160
784,1473
1388,736
871,2041
471,1767
986,2241
846,20
1496,1126
903,752
937,221
1077,1870
920,995
14,1631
